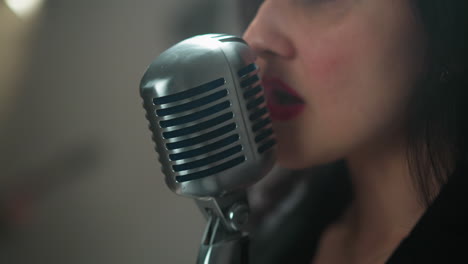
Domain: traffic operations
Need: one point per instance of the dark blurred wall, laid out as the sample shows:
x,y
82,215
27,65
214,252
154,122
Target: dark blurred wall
x,y
246,11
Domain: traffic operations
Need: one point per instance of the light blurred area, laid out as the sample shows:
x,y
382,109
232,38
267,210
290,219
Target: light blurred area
x,y
79,179
24,8
17,33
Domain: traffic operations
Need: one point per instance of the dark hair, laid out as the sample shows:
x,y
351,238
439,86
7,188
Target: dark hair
x,y
437,138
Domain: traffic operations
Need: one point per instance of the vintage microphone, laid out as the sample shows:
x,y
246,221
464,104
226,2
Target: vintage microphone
x,y
213,134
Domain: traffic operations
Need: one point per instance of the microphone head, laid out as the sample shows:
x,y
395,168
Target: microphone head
x,y
208,116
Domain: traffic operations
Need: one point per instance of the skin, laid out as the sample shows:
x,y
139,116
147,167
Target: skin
x,y
355,64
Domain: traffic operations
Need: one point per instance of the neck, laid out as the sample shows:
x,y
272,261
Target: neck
x,y
386,206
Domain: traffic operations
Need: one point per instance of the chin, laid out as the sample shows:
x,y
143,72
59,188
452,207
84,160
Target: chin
x,y
297,159
291,160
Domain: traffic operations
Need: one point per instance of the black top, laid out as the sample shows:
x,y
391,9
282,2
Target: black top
x,y
440,236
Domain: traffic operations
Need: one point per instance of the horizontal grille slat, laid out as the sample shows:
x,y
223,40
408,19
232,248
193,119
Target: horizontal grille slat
x,y
217,169
261,124
195,116
263,135
208,160
269,144
256,115
233,39
201,126
202,138
191,105
205,149
246,70
250,81
190,92
251,92
255,103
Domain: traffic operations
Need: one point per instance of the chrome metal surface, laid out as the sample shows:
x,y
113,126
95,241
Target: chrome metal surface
x,y
207,114
238,216
222,247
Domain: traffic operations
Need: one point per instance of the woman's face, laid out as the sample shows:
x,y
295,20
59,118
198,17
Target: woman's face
x,y
353,63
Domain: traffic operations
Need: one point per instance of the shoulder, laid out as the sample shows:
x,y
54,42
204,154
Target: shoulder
x,y
441,232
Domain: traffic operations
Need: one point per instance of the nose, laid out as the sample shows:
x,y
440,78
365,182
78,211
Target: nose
x,y
267,34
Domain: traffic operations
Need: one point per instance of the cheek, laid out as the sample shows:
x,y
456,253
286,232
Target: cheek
x,y
341,83
332,67
327,63
351,93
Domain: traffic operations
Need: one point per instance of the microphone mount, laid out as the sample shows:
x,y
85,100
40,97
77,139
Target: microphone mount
x,y
224,240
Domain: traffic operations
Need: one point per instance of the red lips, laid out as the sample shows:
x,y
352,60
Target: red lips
x,y
283,102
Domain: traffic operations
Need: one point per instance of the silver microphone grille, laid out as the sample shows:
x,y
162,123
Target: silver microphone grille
x,y
208,116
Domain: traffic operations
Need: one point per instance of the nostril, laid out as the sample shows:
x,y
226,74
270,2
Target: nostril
x,y
266,54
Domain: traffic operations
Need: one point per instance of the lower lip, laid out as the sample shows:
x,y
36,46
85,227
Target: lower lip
x,y
281,112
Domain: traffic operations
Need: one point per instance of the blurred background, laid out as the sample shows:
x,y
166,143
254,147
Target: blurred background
x,y
79,179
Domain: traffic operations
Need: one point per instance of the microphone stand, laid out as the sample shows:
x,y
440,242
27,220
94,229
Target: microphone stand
x,y
224,242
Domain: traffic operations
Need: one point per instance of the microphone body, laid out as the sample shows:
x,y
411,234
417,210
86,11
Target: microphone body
x,y
208,116
213,134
